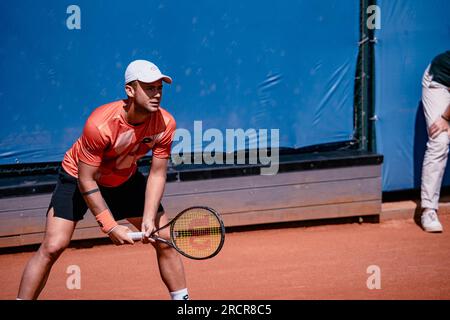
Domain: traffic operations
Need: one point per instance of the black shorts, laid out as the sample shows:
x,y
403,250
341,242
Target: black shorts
x,y
124,201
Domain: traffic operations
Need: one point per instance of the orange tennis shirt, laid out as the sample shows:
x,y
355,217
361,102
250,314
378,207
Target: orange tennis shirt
x,y
109,142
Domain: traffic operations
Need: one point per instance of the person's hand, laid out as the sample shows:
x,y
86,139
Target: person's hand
x,y
119,235
440,125
148,226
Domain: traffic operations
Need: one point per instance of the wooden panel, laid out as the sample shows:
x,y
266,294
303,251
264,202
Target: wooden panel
x,y
303,213
231,201
25,203
280,196
223,184
238,219
300,177
36,238
247,200
33,221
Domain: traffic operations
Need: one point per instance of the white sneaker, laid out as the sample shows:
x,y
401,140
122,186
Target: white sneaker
x,y
430,221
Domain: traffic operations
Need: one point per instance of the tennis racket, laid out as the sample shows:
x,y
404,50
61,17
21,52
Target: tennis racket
x,y
196,232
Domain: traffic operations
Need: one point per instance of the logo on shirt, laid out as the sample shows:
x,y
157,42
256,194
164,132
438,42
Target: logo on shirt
x,y
151,140
147,140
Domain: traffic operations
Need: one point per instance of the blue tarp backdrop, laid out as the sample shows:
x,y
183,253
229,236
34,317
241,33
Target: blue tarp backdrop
x,y
412,33
260,64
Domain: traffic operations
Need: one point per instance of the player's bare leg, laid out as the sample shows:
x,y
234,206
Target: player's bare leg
x,y
57,237
169,261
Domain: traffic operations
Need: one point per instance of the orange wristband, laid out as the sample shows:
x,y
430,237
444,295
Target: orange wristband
x,y
106,221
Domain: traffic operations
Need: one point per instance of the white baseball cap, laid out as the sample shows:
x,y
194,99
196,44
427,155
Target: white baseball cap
x,y
144,71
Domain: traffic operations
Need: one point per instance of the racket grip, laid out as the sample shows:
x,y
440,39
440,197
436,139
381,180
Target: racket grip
x,y
136,236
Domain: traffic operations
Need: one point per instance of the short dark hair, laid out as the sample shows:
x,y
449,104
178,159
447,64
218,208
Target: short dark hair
x,y
132,83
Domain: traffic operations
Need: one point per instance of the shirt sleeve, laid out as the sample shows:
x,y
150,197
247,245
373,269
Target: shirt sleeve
x,y
163,147
92,144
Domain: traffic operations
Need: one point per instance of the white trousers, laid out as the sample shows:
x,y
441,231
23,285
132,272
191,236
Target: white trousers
x,y
435,99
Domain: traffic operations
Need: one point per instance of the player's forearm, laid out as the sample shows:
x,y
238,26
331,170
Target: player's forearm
x,y
89,188
94,200
92,196
153,194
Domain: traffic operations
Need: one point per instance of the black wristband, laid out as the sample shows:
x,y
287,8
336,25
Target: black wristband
x,y
90,192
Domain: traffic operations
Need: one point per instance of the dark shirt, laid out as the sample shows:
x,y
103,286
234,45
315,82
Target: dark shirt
x,y
440,69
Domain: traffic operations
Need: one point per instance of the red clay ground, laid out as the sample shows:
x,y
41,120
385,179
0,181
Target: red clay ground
x,y
322,262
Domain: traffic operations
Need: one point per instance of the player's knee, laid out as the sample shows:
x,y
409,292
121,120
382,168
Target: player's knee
x,y
52,249
165,250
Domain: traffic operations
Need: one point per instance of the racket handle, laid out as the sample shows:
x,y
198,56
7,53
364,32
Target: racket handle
x,y
136,236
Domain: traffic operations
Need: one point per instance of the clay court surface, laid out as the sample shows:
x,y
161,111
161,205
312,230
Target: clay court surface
x,y
320,262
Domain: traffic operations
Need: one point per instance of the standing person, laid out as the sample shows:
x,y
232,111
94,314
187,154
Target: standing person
x,y
100,172
436,106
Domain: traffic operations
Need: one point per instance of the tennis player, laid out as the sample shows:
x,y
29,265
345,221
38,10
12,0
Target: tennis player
x,y
100,172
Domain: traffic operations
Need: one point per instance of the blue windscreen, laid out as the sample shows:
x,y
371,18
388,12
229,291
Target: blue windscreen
x,y
252,64
412,33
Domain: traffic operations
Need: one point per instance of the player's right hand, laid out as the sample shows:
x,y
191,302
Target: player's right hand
x,y
119,235
148,226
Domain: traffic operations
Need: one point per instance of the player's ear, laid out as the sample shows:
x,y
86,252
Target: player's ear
x,y
130,90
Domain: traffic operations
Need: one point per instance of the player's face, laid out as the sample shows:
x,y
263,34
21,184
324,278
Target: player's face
x,y
148,95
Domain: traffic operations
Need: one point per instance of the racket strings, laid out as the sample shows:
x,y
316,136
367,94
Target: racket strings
x,y
198,233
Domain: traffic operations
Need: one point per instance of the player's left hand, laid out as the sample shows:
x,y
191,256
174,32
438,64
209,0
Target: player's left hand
x,y
148,226
440,125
